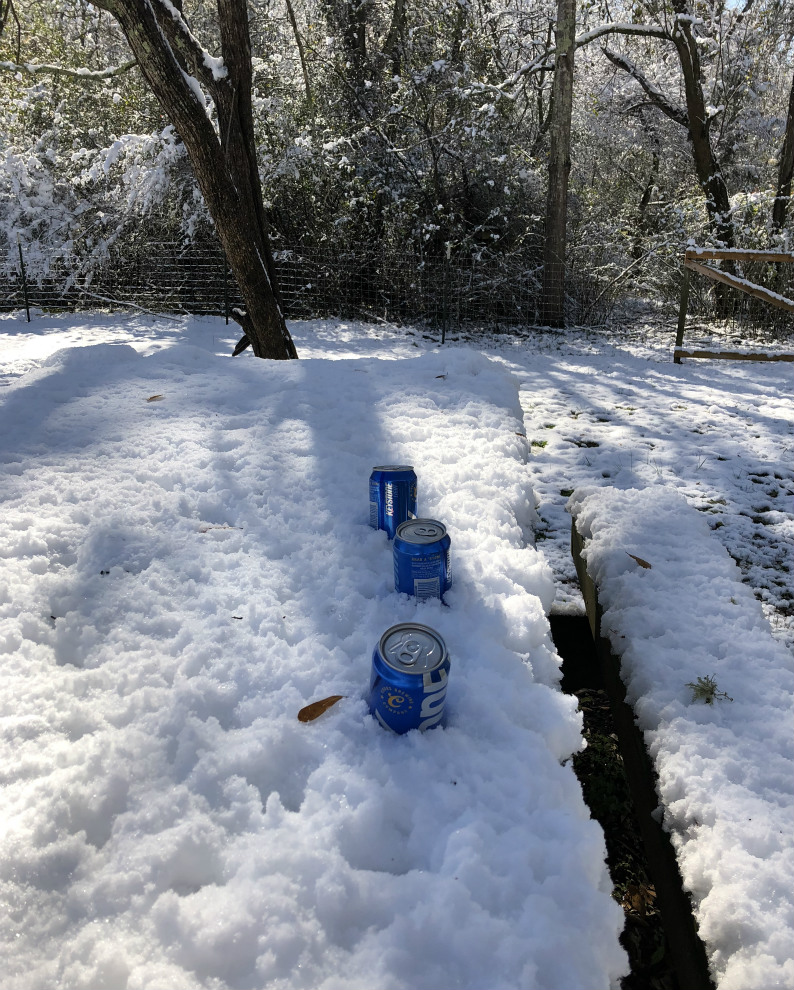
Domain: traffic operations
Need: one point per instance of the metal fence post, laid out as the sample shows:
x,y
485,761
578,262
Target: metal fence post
x,y
24,279
226,288
445,300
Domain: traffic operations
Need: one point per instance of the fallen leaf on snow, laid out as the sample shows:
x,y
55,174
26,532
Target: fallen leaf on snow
x,y
316,708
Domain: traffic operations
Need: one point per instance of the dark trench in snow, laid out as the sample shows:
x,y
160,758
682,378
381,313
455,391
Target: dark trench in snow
x,y
660,933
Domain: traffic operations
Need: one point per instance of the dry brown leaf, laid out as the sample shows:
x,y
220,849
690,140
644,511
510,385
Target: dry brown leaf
x,y
639,898
316,708
155,398
640,561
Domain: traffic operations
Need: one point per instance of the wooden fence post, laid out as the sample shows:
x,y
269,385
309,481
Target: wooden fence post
x,y
679,339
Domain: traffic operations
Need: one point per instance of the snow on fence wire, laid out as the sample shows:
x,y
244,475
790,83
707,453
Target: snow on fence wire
x,y
395,286
750,300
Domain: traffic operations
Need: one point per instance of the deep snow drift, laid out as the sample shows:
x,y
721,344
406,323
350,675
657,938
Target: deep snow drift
x,y
181,575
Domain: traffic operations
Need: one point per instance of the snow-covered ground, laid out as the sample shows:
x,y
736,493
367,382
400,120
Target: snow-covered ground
x,y
187,562
624,416
712,691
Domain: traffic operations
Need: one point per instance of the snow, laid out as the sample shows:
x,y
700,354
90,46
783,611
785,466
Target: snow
x,y
213,63
181,577
775,298
195,87
718,432
623,27
725,767
187,563
216,66
707,252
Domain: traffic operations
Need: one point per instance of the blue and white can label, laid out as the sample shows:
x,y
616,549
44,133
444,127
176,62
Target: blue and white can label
x,y
392,496
408,682
422,559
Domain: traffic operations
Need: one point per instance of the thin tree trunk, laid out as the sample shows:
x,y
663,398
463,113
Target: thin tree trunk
x,y
553,302
224,163
709,173
393,44
707,167
301,53
641,221
785,169
695,118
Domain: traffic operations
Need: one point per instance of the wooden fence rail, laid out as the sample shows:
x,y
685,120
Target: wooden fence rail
x,y
693,261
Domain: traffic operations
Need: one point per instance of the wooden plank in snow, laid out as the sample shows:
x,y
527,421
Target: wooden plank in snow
x,y
729,356
735,254
758,291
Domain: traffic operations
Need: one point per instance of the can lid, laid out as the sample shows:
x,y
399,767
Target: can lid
x,y
393,467
421,531
412,648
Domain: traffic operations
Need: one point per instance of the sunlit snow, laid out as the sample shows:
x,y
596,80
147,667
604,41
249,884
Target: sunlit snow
x,y
187,562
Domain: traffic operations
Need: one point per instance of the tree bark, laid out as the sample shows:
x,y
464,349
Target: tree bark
x,y
697,122
301,51
553,301
348,20
785,169
224,161
641,221
392,45
707,167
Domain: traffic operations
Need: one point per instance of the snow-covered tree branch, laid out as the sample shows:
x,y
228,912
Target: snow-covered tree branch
x,y
83,75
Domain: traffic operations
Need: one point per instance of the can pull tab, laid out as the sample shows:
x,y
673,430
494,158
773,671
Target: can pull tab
x,y
408,651
426,531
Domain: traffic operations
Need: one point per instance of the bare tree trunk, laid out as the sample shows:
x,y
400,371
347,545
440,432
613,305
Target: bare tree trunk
x,y
301,51
393,43
224,162
707,167
695,119
347,19
553,302
785,169
641,223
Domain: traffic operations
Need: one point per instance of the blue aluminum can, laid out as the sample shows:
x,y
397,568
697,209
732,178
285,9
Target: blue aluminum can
x,y
392,496
421,559
408,684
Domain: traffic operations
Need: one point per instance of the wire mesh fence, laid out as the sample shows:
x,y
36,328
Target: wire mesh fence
x,y
388,285
382,283
162,276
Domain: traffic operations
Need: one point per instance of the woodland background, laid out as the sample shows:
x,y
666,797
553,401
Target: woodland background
x,y
401,139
